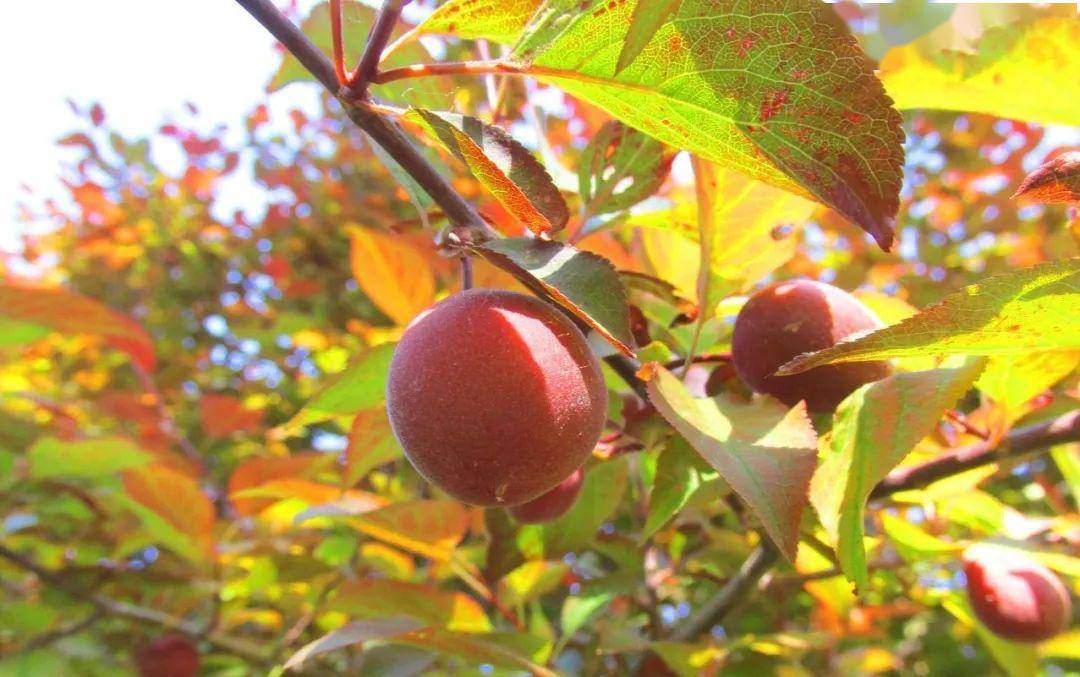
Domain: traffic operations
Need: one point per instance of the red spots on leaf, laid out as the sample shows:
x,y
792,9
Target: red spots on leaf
x,y
853,117
798,74
772,104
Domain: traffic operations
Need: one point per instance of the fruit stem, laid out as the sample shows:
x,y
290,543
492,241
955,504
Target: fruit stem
x,y
466,272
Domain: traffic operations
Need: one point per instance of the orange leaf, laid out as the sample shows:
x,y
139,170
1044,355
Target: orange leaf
x,y
427,528
371,443
176,499
394,274
257,471
223,415
1057,180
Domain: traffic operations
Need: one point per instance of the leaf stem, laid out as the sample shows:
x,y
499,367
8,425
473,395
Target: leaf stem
x,y
423,70
338,40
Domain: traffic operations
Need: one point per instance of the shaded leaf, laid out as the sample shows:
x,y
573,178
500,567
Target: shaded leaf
x,y
371,444
1023,71
361,386
184,514
353,633
743,85
259,470
873,430
392,272
428,528
1017,312
506,168
69,313
680,472
619,168
103,457
765,451
648,17
223,415
506,650
583,283
1017,660
500,21
1056,180
384,598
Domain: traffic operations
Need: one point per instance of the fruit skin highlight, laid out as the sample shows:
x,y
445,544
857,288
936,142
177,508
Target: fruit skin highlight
x,y
168,656
1014,596
495,397
793,317
552,505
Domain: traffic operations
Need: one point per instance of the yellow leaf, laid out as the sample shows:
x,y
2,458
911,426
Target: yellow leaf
x,y
392,272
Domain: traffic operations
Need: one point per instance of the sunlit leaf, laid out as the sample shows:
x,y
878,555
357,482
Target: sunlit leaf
x,y
102,457
371,444
506,168
834,592
361,386
914,544
743,85
873,430
619,168
680,472
583,283
1067,459
180,506
531,580
648,17
353,633
1018,312
258,470
69,313
1023,71
1013,380
223,415
382,598
500,21
1056,180
428,527
765,451
392,272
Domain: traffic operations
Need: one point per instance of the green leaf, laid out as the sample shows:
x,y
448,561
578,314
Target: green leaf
x,y
500,21
1067,459
648,17
384,598
16,333
1018,71
531,581
765,451
1013,380
743,85
914,544
1019,312
580,609
873,430
601,493
583,283
514,651
353,633
103,457
619,168
502,165
427,527
361,386
680,472
1017,660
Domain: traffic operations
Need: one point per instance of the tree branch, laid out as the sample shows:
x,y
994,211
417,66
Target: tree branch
x,y
111,607
338,38
295,41
627,369
376,43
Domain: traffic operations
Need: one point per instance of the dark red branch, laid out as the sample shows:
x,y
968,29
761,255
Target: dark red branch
x,y
376,43
339,42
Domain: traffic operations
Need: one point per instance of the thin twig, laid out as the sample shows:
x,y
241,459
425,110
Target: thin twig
x,y
627,369
423,70
376,43
339,42
113,607
704,358
48,638
466,272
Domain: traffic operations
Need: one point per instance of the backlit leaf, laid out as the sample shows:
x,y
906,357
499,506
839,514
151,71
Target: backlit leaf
x,y
500,21
383,598
583,283
765,451
1019,312
619,168
680,472
179,504
258,470
648,17
1067,459
1012,380
353,633
103,457
429,528
361,386
69,313
1020,71
1057,180
392,272
914,544
223,415
873,430
506,168
371,444
777,90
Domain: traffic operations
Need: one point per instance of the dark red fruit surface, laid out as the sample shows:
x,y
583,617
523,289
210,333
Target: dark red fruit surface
x,y
1014,596
495,397
168,656
551,505
793,317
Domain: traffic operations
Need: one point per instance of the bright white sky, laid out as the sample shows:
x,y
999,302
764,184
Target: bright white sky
x,y
141,59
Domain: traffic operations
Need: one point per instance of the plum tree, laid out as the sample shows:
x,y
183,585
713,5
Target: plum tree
x,y
168,656
495,397
789,318
551,505
1015,596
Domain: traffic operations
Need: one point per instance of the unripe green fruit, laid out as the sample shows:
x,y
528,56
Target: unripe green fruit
x,y
789,318
1014,596
495,397
553,504
168,656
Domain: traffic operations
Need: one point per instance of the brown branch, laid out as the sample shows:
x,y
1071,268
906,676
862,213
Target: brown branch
x,y
704,358
111,607
1015,445
376,43
627,369
466,272
337,35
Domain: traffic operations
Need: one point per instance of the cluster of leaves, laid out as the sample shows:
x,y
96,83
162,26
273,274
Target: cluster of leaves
x,y
191,401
